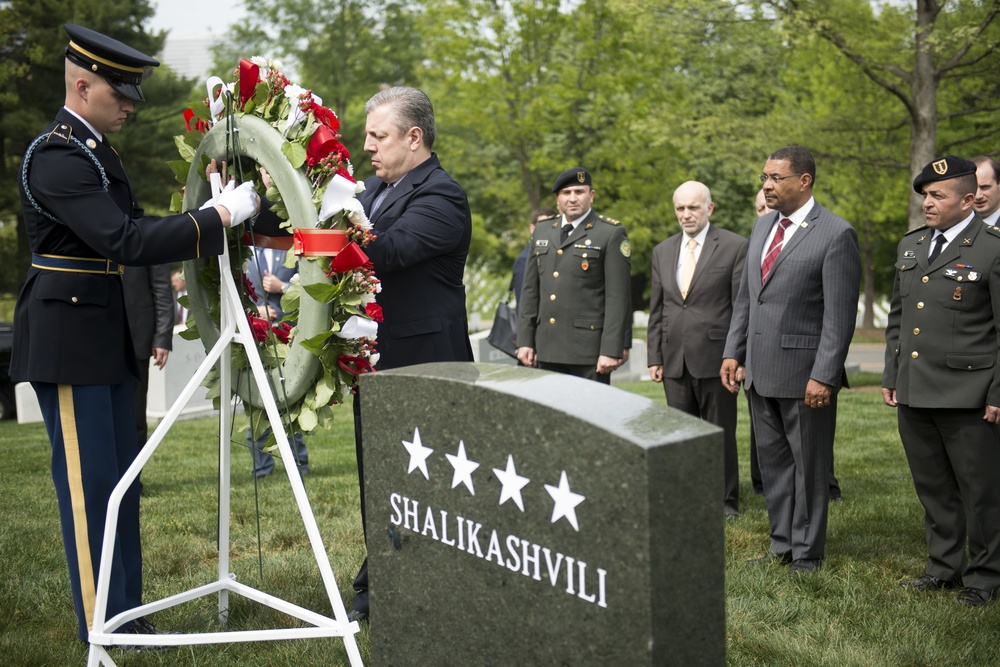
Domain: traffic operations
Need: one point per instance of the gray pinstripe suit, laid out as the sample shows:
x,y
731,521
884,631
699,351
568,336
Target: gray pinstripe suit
x,y
795,328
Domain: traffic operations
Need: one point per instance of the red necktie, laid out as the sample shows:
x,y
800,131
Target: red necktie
x,y
773,249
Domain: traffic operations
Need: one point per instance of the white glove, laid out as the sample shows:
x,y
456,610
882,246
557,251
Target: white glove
x,y
217,182
242,202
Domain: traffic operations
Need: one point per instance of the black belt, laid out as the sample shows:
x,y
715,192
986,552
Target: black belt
x,y
101,267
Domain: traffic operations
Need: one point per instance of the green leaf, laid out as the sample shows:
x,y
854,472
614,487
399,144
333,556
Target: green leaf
x,y
184,148
315,344
181,168
324,292
307,419
176,203
290,299
295,152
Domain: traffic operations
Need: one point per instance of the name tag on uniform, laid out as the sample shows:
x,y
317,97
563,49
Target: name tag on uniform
x,y
907,254
541,242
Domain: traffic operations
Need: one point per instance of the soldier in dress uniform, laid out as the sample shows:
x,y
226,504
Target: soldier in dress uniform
x,y
71,337
576,294
942,374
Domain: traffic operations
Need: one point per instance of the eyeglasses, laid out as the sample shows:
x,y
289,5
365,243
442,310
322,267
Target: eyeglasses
x,y
764,178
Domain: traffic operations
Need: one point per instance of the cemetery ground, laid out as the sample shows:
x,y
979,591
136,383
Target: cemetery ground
x,y
851,613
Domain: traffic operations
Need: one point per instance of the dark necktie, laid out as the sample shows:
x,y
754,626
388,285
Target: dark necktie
x,y
566,230
774,249
938,247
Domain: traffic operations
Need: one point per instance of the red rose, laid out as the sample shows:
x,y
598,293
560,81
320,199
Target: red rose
x,y
374,311
282,331
248,289
260,328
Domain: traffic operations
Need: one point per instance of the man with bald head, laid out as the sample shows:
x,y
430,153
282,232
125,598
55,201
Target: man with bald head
x,y
696,277
987,201
71,335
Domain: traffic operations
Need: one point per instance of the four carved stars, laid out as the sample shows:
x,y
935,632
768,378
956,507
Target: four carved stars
x,y
564,499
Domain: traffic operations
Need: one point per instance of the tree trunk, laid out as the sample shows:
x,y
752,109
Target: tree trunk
x,y
923,129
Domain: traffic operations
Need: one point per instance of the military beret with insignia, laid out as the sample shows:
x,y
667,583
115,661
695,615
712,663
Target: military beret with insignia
x,y
571,177
943,169
119,64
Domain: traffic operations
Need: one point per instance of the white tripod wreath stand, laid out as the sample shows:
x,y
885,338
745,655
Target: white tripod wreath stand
x,y
234,329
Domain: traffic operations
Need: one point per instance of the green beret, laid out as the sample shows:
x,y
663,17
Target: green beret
x,y
117,63
571,177
943,169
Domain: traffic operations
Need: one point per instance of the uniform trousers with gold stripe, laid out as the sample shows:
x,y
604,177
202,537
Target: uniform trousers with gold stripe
x,y
92,432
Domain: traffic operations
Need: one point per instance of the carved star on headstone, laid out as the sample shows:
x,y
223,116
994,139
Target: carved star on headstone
x,y
565,501
418,454
463,468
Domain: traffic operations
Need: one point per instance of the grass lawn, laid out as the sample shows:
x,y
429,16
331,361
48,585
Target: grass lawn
x,y
851,613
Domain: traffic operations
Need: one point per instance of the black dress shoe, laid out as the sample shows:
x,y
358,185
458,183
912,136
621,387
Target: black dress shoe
x,y
355,615
974,597
142,626
836,499
804,566
731,512
928,582
779,559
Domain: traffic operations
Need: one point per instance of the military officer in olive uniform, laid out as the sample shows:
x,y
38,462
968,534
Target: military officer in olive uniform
x,y
71,336
942,373
576,295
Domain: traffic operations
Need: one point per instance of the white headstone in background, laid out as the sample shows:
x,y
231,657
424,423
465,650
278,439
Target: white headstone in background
x,y
167,384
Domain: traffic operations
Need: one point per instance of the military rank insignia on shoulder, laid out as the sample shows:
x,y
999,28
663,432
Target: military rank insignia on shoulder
x,y
549,217
610,221
993,230
921,228
60,131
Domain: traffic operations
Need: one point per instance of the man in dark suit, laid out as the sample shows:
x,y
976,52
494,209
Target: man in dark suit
x,y
942,373
695,278
71,337
575,312
149,306
423,225
270,279
792,326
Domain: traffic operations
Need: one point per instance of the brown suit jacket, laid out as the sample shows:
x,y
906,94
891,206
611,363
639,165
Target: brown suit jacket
x,y
693,331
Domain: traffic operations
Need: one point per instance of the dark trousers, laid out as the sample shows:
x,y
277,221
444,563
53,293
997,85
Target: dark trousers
x,y
360,603
758,486
794,446
263,462
954,458
585,371
92,431
707,399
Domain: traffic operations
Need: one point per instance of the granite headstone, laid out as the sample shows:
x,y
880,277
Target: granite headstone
x,y
519,517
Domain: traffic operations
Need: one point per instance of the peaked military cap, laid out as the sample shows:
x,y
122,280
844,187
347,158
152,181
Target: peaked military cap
x,y
571,177
943,169
119,64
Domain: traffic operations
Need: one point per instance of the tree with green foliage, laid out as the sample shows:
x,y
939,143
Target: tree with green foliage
x,y
915,52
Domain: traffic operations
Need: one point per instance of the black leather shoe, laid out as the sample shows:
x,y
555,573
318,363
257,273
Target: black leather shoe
x,y
804,566
355,615
974,597
731,512
928,582
836,499
778,559
142,626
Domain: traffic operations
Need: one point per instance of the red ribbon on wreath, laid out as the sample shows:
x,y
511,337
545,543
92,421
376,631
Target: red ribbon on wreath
x,y
354,365
249,76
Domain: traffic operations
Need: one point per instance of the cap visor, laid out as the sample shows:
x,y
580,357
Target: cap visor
x,y
129,90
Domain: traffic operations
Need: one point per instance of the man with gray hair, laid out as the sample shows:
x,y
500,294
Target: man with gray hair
x,y
423,225
696,277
